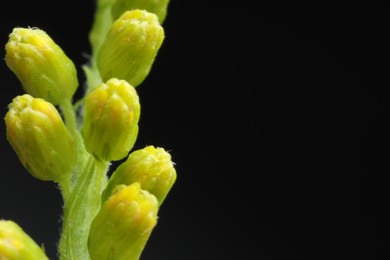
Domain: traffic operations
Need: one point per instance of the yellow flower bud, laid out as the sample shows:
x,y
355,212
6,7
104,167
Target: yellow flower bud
x,y
151,167
111,117
158,7
123,225
15,244
38,135
130,47
40,64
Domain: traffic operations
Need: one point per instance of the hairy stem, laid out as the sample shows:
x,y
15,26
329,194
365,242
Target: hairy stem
x,y
82,206
72,124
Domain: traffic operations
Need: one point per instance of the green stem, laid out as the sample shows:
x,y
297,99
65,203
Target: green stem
x,y
100,27
82,193
72,124
83,205
66,189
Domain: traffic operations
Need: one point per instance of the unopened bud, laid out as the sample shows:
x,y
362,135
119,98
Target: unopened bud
x,y
158,7
123,225
130,47
151,167
40,138
110,128
40,64
15,244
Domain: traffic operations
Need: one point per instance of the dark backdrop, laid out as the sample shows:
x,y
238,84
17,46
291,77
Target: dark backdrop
x,y
274,115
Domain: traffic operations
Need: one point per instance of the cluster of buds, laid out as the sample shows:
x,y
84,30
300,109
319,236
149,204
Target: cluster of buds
x,y
48,144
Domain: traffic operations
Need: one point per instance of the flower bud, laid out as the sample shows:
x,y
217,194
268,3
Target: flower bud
x,y
39,137
158,7
123,225
15,244
40,64
151,167
130,47
112,111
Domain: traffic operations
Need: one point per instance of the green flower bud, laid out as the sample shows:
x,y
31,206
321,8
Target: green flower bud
x,y
158,7
111,117
40,64
15,244
38,135
123,225
151,167
130,47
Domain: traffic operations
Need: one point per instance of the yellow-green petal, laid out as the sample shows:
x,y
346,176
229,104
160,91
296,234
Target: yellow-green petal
x,y
15,244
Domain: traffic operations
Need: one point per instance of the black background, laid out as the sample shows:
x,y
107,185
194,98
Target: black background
x,y
274,115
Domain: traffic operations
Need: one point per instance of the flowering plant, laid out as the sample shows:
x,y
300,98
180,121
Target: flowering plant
x,y
74,142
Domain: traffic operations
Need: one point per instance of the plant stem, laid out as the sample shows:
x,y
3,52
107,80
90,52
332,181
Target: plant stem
x,y
66,189
83,204
101,25
72,124
82,193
